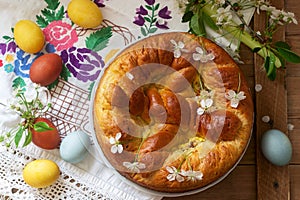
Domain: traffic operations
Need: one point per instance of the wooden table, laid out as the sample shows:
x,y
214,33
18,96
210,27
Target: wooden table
x,y
254,177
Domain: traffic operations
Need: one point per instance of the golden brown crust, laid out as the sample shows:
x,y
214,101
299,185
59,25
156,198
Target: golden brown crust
x,y
150,98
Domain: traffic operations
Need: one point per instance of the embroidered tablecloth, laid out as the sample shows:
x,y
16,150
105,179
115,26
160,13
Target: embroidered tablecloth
x,y
124,22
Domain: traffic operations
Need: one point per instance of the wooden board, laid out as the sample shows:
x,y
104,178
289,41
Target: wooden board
x,y
256,178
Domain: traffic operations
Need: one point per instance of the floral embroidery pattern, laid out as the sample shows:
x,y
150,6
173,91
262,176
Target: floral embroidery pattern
x,y
61,35
83,63
22,63
53,12
149,19
9,68
9,47
99,3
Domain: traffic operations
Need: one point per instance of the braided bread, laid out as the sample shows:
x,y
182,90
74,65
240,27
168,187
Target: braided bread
x,y
173,112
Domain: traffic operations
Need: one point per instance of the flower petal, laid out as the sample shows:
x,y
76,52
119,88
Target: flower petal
x,y
114,149
141,165
112,140
203,103
120,148
171,177
230,94
200,111
118,136
173,42
208,102
241,95
179,178
196,56
234,102
177,53
199,50
170,170
180,45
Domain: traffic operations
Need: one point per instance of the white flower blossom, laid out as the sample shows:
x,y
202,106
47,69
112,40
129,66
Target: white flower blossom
x,y
266,118
192,175
289,17
134,167
205,104
202,55
223,16
174,174
290,127
258,87
116,146
204,94
267,8
235,98
178,48
218,3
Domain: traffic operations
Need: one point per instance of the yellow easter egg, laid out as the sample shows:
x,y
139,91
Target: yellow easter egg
x,y
84,13
28,36
41,173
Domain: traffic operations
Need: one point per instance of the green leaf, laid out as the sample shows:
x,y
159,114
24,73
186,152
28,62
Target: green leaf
x,y
147,19
209,21
90,89
49,15
53,85
143,31
187,16
256,49
197,25
156,6
18,136
99,40
282,45
41,21
267,63
5,37
65,73
152,30
282,60
148,7
270,66
41,127
60,14
52,4
28,139
18,83
288,55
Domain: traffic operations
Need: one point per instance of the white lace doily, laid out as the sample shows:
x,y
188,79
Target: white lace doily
x,y
73,182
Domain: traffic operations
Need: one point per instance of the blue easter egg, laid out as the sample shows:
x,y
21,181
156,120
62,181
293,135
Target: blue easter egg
x,y
276,147
74,147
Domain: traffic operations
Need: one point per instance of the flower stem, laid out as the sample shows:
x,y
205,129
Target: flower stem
x,y
244,36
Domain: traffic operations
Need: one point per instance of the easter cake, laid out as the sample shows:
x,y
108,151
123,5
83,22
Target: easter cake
x,y
173,113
